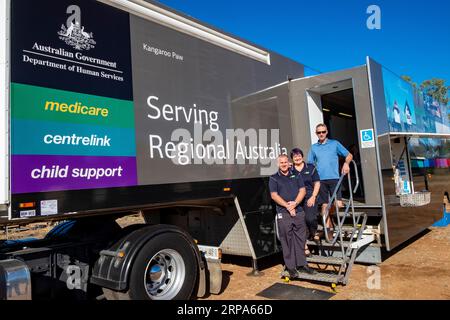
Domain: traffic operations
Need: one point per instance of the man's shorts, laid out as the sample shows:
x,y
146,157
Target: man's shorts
x,y
326,190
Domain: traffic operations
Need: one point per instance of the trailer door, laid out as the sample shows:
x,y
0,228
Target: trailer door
x,y
341,100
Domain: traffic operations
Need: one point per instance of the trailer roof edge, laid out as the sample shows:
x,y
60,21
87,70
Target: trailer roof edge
x,y
177,22
417,135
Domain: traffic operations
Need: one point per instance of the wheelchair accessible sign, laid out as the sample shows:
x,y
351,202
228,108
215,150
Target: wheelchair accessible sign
x,y
367,139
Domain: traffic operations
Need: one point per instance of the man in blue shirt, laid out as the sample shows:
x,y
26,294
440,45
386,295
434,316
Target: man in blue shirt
x,y
325,155
288,191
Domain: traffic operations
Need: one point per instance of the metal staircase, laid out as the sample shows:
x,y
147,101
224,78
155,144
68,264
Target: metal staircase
x,y
335,254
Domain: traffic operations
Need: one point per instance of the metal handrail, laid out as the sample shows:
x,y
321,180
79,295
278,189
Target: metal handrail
x,y
356,176
349,205
352,236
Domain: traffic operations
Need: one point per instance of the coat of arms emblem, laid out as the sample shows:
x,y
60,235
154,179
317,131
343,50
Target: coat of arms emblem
x,y
73,33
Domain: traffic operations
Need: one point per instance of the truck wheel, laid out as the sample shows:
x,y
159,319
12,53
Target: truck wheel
x,y
164,269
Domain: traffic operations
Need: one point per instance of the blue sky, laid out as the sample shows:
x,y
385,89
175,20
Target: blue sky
x,y
330,35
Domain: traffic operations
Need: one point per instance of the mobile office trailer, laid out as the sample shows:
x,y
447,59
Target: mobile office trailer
x,y
113,109
107,110
402,159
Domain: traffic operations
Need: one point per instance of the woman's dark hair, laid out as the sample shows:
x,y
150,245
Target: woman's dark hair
x,y
296,151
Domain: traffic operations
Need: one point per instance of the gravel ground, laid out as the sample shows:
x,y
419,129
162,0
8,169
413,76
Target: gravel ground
x,y
420,269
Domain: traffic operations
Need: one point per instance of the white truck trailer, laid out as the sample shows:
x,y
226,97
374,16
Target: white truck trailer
x,y
111,108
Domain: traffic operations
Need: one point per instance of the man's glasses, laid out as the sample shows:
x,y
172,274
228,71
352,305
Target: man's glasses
x,y
321,132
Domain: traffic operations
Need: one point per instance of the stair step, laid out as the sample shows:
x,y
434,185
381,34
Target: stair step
x,y
349,214
324,243
347,231
326,260
365,240
349,228
318,276
346,228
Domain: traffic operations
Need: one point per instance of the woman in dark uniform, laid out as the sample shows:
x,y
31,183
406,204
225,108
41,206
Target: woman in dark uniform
x,y
312,183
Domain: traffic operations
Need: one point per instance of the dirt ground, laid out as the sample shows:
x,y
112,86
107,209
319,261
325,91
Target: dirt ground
x,y
419,269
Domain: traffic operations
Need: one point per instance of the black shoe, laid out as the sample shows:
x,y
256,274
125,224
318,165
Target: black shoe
x,y
306,269
292,273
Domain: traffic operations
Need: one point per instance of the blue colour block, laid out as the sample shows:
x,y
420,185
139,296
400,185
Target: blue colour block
x,y
445,221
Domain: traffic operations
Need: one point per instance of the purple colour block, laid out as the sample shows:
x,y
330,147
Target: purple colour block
x,y
31,173
442,163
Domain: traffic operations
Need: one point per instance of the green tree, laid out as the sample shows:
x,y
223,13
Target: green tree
x,y
409,80
437,89
434,87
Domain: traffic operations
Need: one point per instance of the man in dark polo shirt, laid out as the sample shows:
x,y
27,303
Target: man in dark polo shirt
x,y
288,191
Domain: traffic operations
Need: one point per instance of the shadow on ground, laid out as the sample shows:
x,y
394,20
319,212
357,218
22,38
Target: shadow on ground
x,y
388,254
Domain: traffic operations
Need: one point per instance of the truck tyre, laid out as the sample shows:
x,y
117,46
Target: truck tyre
x,y
164,269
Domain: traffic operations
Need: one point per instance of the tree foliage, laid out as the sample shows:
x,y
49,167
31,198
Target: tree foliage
x,y
409,80
435,88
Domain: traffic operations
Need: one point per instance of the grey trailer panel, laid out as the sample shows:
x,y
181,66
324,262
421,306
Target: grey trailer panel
x,y
264,109
187,96
382,144
405,222
267,109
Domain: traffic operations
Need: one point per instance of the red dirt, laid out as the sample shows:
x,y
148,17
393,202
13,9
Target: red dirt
x,y
420,270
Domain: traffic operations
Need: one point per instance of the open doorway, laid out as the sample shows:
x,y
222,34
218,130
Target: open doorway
x,y
334,104
339,115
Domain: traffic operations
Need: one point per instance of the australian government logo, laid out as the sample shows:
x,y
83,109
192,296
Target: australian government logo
x,y
76,37
73,33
